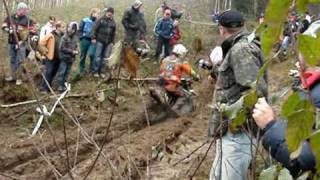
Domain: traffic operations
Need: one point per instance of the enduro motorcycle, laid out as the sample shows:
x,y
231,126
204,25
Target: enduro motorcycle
x,y
165,105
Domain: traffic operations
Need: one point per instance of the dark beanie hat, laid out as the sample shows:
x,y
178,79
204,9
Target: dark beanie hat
x,y
231,19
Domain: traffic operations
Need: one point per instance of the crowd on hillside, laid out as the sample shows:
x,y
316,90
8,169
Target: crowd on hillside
x,y
235,65
94,36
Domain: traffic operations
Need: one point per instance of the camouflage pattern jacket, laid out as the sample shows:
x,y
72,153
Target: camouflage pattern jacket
x,y
238,70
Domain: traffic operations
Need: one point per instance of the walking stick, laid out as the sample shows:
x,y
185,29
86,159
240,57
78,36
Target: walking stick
x,y
15,35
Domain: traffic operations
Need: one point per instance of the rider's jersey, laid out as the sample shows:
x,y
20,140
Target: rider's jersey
x,y
171,71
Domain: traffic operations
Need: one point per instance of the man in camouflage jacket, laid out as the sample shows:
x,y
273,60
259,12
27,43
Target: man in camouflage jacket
x,y
236,74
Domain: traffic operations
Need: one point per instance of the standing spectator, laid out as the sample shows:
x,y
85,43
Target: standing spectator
x,y
134,25
68,50
286,37
17,50
160,11
176,34
103,34
165,31
215,17
261,18
304,26
242,60
48,28
52,41
86,45
274,141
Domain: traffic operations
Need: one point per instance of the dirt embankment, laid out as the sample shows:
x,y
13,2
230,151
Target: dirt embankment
x,y
133,149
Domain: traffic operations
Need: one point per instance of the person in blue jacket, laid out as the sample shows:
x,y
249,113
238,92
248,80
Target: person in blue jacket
x,y
164,29
86,46
274,141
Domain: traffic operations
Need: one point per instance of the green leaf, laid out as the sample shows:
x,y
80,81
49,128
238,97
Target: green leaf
x,y
263,70
276,14
299,127
315,144
290,105
250,99
301,117
269,174
239,120
238,111
285,175
308,46
233,110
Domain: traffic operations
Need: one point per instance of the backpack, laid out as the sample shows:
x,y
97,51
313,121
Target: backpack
x,y
87,27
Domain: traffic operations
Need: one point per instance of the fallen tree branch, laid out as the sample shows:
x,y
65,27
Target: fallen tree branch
x,y
18,104
137,79
35,101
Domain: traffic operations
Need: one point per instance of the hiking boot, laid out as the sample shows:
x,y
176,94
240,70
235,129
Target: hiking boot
x,y
9,79
18,82
96,75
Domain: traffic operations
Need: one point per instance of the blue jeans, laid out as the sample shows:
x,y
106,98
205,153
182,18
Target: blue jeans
x,y
16,56
102,51
162,42
64,72
286,42
52,67
232,157
86,47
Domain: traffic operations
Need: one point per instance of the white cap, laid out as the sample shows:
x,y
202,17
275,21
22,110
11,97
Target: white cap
x,y
137,4
22,5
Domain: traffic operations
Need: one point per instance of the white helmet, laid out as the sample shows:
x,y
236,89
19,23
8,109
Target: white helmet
x,y
180,50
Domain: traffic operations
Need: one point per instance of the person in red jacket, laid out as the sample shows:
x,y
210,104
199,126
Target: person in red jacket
x,y
22,25
176,34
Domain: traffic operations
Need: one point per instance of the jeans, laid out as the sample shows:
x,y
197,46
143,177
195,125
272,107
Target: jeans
x,y
286,42
102,51
86,47
16,56
52,67
64,72
233,162
163,42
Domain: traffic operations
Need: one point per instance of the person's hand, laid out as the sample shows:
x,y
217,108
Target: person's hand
x,y
93,41
8,30
263,113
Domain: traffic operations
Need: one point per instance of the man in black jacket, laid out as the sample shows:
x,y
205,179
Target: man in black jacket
x,y
68,49
275,142
134,24
103,34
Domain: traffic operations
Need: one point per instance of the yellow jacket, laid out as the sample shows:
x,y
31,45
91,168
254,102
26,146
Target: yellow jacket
x,y
49,42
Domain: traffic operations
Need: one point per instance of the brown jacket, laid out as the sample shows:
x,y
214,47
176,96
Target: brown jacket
x,y
49,42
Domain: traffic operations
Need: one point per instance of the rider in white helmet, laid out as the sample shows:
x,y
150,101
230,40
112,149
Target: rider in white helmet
x,y
172,70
